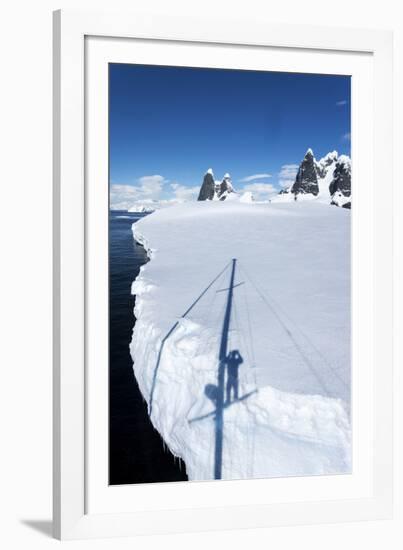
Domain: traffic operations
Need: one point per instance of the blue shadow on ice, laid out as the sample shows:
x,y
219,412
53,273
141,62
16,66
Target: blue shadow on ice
x,y
171,330
224,394
226,391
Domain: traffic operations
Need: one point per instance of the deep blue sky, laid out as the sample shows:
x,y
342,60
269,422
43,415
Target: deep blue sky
x,y
178,122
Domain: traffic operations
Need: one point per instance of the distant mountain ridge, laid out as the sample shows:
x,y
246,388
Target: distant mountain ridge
x,y
328,180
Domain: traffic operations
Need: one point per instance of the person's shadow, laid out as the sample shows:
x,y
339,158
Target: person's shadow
x,y
233,361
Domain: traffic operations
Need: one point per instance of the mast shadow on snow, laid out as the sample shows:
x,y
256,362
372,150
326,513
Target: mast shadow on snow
x,y
224,395
226,391
172,330
229,361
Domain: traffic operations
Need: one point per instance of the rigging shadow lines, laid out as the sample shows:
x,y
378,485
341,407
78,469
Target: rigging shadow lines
x,y
290,335
170,332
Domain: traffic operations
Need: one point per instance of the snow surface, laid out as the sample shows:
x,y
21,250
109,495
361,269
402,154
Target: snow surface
x,y
247,197
344,159
329,158
290,323
324,183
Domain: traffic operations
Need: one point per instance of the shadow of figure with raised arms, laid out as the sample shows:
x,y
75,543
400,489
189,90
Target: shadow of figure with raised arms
x,y
234,360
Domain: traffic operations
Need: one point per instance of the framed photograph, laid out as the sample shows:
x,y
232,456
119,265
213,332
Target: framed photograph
x,y
223,274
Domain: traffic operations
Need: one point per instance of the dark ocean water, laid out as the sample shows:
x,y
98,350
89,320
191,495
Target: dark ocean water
x,y
136,451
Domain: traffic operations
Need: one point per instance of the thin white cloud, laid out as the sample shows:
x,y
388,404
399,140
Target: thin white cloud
x,y
151,186
286,176
184,193
260,190
255,177
341,103
346,136
123,196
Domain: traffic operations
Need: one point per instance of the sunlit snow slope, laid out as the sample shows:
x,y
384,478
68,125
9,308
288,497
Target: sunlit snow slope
x,y
290,323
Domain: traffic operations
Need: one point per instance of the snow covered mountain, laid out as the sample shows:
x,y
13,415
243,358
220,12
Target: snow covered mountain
x,y
328,180
215,190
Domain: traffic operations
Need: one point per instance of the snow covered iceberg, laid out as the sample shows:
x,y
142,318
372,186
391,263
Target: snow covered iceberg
x,y
287,412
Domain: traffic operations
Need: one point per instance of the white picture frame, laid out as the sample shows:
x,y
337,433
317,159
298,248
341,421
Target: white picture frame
x,y
76,484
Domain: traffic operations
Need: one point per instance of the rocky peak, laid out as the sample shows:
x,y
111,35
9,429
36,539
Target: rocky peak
x,y
214,189
306,180
225,187
341,177
208,187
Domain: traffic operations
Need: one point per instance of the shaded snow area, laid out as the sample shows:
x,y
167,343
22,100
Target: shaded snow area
x,y
277,404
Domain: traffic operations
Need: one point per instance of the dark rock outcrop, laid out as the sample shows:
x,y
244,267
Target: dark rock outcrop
x,y
341,177
208,186
307,179
225,187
